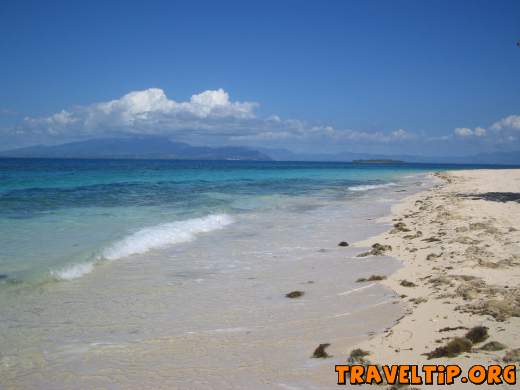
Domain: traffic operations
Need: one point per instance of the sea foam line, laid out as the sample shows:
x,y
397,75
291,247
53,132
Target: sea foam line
x,y
348,292
144,240
367,187
163,235
73,271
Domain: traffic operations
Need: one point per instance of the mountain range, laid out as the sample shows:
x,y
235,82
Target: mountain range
x,y
151,147
136,148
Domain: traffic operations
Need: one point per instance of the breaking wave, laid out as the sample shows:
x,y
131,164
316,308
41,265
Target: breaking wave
x,y
144,240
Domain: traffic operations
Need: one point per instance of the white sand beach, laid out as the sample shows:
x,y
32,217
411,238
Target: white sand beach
x,y
460,247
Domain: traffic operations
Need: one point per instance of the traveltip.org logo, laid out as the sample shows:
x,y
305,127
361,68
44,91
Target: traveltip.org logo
x,y
357,374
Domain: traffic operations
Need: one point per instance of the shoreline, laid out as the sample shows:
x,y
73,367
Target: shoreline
x,y
458,265
175,315
458,243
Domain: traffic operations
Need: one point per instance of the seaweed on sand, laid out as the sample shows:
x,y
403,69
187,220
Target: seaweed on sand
x,y
493,346
500,310
294,294
495,196
477,334
449,328
371,278
455,347
399,227
320,353
358,356
377,250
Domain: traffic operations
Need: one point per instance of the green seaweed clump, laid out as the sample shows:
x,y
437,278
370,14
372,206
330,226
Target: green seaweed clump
x,y
372,278
454,348
477,334
377,250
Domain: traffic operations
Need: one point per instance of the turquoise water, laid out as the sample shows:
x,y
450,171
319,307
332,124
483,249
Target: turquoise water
x,y
59,217
135,274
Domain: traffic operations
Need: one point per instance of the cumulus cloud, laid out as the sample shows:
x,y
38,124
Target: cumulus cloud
x,y
212,117
463,132
503,131
509,122
480,131
53,123
466,132
142,111
209,115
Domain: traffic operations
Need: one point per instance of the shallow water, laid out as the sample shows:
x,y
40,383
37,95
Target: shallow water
x,y
174,275
81,210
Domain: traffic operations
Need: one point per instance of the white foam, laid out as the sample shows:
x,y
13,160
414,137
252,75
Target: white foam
x,y
348,292
164,235
73,271
368,187
229,330
342,315
144,240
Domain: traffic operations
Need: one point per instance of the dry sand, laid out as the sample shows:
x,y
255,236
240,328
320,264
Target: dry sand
x,y
460,247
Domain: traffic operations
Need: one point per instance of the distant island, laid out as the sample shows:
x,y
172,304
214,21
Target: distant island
x,y
382,161
142,147
164,148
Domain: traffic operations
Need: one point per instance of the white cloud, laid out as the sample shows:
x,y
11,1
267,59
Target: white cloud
x,y
208,116
466,132
401,134
298,130
146,111
509,122
480,131
504,130
212,117
463,132
144,104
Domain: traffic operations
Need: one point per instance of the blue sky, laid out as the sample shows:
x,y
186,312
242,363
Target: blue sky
x,y
423,77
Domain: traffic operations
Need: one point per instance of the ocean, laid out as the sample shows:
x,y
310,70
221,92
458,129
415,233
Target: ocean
x,y
59,218
132,273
